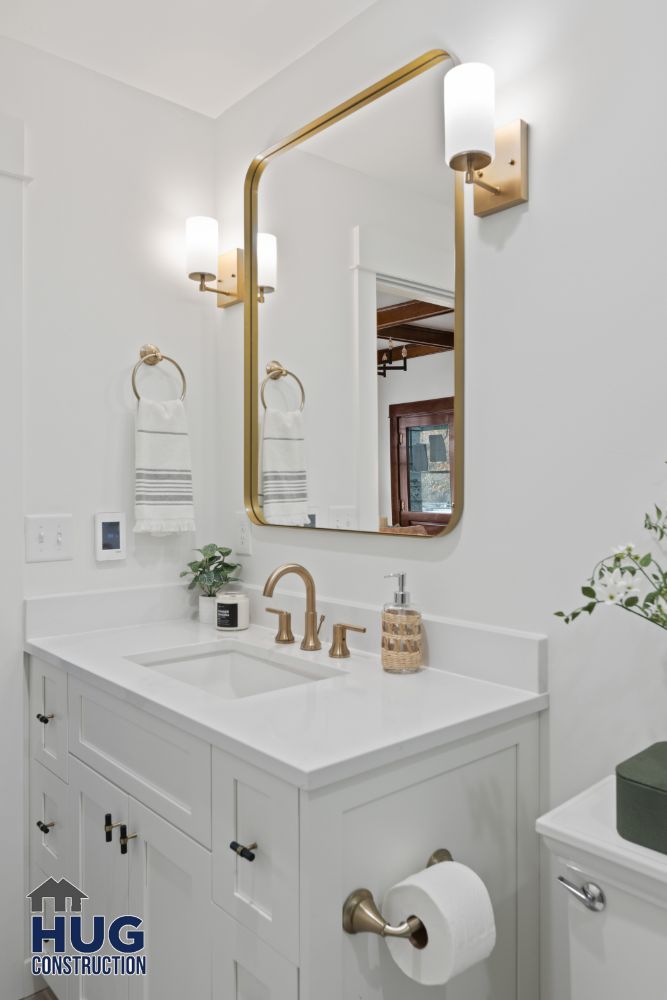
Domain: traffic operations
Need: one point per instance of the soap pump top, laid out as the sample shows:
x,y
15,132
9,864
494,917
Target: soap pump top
x,y
401,595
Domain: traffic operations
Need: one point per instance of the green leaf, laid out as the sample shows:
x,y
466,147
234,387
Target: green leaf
x,y
630,602
559,614
588,592
646,560
591,607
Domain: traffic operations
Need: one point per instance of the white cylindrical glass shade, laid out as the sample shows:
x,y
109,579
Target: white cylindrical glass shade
x,y
267,262
470,111
201,246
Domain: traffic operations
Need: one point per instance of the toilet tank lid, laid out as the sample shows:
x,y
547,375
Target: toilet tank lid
x,y
648,767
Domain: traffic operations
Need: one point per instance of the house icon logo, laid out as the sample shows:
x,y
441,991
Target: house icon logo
x,y
64,942
59,892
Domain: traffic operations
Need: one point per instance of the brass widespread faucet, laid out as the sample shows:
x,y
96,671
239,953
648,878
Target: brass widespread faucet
x,y
311,627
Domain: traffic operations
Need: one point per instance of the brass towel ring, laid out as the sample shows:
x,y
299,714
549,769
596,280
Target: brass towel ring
x,y
151,355
274,370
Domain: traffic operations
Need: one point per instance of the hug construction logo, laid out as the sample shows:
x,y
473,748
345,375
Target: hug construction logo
x,y
68,945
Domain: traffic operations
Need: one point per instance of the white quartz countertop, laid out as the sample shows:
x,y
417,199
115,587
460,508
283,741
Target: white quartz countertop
x,y
311,734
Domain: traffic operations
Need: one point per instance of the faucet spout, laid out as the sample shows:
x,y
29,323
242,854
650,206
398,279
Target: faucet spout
x,y
310,636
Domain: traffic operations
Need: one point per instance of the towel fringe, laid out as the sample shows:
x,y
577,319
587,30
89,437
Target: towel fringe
x,y
165,527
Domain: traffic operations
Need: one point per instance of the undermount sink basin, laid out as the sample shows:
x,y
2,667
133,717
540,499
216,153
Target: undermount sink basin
x,y
232,670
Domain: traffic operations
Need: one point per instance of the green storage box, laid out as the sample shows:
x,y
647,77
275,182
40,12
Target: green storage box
x,y
641,798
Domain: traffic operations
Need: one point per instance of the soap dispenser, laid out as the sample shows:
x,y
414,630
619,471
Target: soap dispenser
x,y
401,632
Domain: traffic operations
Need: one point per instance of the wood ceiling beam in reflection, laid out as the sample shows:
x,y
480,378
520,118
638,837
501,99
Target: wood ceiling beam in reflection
x,y
406,334
406,312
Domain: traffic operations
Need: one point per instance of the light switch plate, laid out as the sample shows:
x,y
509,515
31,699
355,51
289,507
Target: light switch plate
x,y
48,537
243,546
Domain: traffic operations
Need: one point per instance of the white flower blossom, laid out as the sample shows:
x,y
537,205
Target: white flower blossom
x,y
615,587
625,550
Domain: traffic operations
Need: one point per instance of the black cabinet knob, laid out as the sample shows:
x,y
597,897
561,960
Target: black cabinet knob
x,y
125,837
44,719
108,827
44,827
243,851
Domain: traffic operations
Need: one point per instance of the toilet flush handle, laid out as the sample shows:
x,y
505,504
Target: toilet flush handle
x,y
590,894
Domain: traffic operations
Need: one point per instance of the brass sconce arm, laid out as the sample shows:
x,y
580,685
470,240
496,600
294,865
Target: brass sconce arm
x,y
203,287
471,179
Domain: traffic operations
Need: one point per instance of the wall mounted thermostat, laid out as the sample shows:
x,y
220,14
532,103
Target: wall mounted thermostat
x,y
110,537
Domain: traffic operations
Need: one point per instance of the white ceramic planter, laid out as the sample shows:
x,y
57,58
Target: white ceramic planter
x,y
207,610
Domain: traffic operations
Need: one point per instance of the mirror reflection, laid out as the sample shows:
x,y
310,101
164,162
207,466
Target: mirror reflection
x,y
356,343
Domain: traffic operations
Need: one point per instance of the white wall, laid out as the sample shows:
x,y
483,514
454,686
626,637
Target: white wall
x,y
11,674
428,377
115,174
99,232
565,352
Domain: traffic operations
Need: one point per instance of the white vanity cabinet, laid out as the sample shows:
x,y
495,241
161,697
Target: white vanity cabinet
x,y
222,927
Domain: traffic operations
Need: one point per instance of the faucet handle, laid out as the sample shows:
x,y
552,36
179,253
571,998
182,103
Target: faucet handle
x,y
339,648
284,633
319,627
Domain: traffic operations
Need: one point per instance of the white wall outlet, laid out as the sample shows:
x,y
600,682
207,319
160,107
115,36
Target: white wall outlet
x,y
243,546
48,537
343,517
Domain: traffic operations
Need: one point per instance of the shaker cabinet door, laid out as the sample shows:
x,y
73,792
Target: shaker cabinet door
x,y
250,806
170,889
245,968
99,868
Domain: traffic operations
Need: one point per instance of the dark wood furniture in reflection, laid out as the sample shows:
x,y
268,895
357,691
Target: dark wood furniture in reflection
x,y
409,509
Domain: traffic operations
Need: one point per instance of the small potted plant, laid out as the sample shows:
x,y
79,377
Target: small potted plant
x,y
210,574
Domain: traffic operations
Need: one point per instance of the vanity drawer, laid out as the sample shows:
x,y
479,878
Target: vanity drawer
x,y
160,765
50,848
48,716
251,806
245,968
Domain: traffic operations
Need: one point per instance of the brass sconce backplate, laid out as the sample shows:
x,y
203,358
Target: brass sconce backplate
x,y
509,171
231,278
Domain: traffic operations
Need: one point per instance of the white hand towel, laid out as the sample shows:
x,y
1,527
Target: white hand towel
x,y
163,500
283,481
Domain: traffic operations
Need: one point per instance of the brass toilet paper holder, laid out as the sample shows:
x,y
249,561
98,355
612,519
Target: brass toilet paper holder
x,y
362,916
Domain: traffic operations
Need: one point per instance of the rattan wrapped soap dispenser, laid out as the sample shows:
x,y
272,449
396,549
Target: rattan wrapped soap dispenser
x,y
401,632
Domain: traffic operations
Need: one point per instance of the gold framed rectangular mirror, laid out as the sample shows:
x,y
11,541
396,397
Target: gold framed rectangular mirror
x,y
354,317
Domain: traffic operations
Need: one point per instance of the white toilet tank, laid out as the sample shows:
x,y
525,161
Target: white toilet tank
x,y
617,900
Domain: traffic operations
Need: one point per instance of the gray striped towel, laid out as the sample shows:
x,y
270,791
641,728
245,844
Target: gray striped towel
x,y
283,481
163,496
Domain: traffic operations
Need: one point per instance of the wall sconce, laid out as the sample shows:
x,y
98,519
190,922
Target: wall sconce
x,y
494,160
267,264
204,264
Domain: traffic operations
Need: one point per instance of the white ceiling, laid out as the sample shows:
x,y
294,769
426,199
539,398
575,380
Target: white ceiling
x,y
202,54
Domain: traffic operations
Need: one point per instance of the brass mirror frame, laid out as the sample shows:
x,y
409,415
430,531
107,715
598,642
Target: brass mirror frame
x,y
252,438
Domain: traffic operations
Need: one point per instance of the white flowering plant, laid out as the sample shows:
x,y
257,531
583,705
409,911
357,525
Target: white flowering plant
x,y
630,579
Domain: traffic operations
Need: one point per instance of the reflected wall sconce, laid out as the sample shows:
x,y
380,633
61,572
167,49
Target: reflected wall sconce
x,y
267,264
205,265
494,160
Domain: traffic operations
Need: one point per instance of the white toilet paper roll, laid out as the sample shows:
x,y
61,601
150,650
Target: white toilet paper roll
x,y
454,906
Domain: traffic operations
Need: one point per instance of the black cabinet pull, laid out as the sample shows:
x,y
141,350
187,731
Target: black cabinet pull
x,y
44,719
44,827
124,838
108,827
242,851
